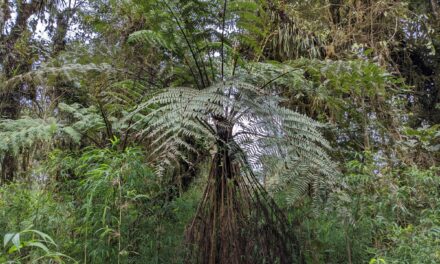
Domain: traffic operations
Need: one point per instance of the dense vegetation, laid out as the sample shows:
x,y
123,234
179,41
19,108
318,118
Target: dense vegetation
x,y
212,131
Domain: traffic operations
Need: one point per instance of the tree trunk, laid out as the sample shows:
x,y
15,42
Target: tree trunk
x,y
236,221
15,63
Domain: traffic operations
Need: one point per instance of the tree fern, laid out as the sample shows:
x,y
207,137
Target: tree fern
x,y
261,127
243,124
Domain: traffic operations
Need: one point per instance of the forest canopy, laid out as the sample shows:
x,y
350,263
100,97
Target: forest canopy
x,y
219,131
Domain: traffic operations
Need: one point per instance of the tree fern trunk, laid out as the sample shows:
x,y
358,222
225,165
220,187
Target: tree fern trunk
x,y
237,222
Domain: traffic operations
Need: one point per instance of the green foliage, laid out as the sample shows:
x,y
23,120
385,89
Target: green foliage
x,y
266,132
40,76
382,214
113,183
148,37
116,89
22,207
14,245
408,232
421,145
123,210
332,82
103,203
25,133
82,121
36,135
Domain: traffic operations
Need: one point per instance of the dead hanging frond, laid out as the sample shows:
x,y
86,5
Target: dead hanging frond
x,y
237,221
291,39
273,30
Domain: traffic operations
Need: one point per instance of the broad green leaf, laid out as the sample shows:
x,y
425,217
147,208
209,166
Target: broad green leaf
x,y
7,238
16,240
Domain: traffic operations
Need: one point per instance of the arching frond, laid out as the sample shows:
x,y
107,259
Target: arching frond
x,y
261,129
68,71
24,133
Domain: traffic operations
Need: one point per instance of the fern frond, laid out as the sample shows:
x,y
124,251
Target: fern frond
x,y
84,119
261,129
151,38
68,71
24,133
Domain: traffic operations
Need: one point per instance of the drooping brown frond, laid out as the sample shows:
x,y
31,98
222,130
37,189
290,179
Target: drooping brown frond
x,y
237,221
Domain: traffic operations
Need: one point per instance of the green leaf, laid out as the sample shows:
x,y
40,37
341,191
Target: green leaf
x,y
44,236
16,240
7,238
13,249
38,245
